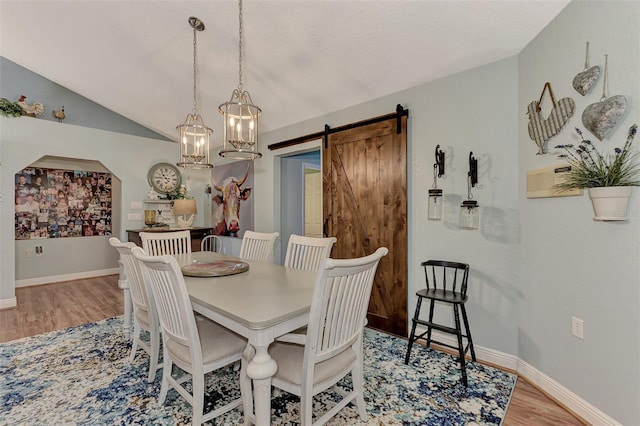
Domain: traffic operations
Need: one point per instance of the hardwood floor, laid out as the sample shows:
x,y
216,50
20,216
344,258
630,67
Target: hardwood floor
x,y
50,307
56,306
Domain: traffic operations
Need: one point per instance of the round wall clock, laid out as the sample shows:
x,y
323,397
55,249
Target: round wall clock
x,y
164,178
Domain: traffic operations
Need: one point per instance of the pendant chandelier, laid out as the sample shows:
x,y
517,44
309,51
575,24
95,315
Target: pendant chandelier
x,y
194,134
240,118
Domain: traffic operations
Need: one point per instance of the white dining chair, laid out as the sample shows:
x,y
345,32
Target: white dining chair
x,y
258,246
197,347
332,348
159,243
212,243
306,253
145,316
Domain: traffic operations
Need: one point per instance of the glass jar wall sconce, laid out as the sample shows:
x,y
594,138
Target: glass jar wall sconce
x,y
434,209
469,209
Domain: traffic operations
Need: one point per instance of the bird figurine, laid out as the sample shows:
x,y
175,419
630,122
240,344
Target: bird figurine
x,y
33,110
59,114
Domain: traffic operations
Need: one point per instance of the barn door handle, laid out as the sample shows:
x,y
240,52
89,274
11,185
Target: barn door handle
x,y
324,227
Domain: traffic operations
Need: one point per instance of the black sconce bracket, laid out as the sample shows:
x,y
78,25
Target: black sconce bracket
x,y
439,161
473,170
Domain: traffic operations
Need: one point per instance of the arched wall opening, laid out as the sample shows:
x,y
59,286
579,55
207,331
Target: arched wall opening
x,y
43,259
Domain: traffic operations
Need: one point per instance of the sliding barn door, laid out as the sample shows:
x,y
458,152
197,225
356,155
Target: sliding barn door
x,y
365,207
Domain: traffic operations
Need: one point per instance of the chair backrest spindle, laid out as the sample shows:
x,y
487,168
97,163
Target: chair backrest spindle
x,y
161,243
450,279
258,246
212,243
339,307
306,253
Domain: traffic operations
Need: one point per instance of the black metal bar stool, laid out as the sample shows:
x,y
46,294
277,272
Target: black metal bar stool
x,y
446,283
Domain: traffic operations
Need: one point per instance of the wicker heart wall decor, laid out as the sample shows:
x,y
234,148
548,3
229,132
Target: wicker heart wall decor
x,y
584,81
543,129
601,117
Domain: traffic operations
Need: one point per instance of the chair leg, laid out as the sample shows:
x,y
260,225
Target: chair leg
x,y
134,340
306,406
431,308
456,316
357,377
154,343
166,373
197,381
466,325
412,336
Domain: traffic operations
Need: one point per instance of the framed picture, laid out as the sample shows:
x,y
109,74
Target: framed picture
x,y
232,206
54,203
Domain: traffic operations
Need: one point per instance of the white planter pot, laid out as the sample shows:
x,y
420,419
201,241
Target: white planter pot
x,y
610,202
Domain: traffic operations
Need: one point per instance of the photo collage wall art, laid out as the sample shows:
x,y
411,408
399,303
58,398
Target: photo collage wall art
x,y
54,203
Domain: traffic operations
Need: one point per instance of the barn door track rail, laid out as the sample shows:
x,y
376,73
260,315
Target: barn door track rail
x,y
400,112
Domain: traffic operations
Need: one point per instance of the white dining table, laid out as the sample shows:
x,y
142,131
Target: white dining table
x,y
261,304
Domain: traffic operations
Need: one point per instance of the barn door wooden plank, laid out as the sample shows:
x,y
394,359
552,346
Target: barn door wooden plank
x,y
364,206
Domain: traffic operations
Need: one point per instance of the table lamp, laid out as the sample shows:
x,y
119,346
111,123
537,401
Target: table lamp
x,y
185,212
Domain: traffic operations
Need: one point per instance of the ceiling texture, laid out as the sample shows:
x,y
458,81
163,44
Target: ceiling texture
x,y
301,59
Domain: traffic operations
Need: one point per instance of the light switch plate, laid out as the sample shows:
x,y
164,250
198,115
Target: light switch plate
x,y
134,216
136,205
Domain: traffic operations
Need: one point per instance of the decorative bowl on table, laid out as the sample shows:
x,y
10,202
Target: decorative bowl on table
x,y
215,268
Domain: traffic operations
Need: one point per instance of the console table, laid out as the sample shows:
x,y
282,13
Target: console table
x,y
197,234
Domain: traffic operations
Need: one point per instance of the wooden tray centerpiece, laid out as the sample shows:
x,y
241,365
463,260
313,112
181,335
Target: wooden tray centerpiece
x,y
216,268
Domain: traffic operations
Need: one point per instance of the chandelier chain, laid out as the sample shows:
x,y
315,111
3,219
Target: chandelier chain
x,y
195,53
240,48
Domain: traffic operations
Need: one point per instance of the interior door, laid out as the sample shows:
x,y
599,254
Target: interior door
x,y
312,202
365,207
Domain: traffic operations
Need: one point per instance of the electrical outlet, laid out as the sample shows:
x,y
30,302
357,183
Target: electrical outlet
x,y
577,327
136,205
28,253
134,216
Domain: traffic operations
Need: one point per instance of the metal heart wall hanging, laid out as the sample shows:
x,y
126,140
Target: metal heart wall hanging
x,y
543,129
600,118
583,82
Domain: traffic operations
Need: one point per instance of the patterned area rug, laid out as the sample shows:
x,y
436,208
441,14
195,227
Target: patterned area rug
x,y
81,376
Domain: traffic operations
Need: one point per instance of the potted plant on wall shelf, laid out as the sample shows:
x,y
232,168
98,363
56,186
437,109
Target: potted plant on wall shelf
x,y
608,178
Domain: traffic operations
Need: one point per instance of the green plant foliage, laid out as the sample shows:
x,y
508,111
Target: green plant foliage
x,y
591,169
9,109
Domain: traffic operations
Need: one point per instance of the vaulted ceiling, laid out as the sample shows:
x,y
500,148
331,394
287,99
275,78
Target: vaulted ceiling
x,y
302,59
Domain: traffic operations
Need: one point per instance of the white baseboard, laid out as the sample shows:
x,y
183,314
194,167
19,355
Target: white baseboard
x,y
564,396
8,303
66,277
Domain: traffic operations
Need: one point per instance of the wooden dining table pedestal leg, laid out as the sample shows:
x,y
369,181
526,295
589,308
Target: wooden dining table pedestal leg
x,y
260,370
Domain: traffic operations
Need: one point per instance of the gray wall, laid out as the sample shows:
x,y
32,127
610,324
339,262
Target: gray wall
x,y
16,80
24,141
571,264
91,137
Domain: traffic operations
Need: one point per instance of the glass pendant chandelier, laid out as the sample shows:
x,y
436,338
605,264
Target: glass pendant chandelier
x,y
240,118
194,134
